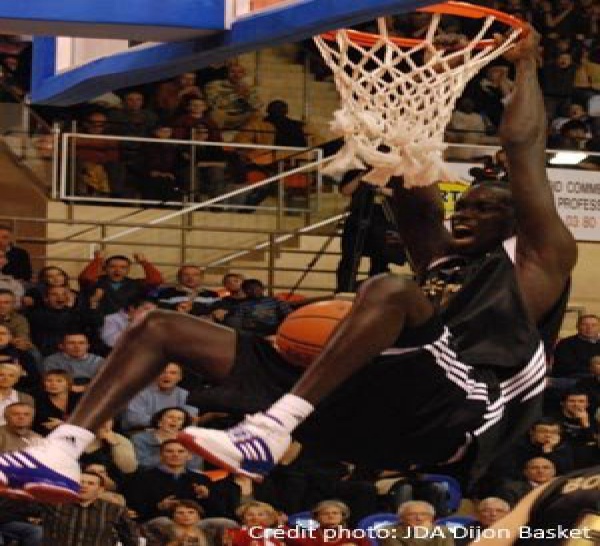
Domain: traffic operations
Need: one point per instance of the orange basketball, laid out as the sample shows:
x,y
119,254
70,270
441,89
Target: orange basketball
x,y
303,334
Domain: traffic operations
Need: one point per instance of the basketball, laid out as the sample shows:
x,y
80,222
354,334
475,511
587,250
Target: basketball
x,y
303,334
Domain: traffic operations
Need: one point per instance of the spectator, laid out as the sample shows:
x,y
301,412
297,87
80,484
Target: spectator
x,y
8,282
545,440
258,314
99,169
491,91
110,493
579,427
133,119
487,512
195,113
19,262
10,350
233,101
17,432
55,402
164,393
159,169
12,89
467,126
587,79
10,372
59,316
256,518
575,112
565,20
414,514
188,296
13,320
113,289
155,492
16,522
75,359
89,522
170,95
232,283
572,354
116,323
47,276
112,450
558,81
164,425
536,472
591,385
180,529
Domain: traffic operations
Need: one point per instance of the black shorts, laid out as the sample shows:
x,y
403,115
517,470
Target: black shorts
x,y
406,407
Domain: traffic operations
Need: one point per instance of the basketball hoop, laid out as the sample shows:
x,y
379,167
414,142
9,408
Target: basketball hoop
x,y
397,94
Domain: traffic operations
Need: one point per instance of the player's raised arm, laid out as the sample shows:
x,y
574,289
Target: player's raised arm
x,y
543,239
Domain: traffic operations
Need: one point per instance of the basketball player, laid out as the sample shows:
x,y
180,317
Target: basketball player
x,y
562,512
415,375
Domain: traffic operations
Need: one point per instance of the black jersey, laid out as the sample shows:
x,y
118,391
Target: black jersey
x,y
566,513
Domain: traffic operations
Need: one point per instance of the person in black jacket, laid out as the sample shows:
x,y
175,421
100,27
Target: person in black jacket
x,y
19,262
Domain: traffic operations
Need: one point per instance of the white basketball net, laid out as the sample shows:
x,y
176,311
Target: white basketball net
x,y
395,105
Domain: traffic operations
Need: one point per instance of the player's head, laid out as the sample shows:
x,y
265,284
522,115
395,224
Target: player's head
x,y
483,217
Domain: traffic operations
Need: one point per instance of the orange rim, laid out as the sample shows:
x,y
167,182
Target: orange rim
x,y
461,9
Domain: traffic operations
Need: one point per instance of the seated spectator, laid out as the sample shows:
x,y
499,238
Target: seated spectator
x,y
8,282
55,402
47,276
19,262
75,359
181,528
170,95
591,385
116,323
487,512
194,112
59,316
558,81
17,433
254,517
587,78
233,101
258,314
112,450
579,427
490,92
572,354
545,440
414,514
91,516
164,393
564,19
537,471
576,113
133,119
98,165
110,492
155,492
188,296
232,283
159,171
16,522
9,350
113,288
12,89
467,126
10,373
14,321
164,425
332,517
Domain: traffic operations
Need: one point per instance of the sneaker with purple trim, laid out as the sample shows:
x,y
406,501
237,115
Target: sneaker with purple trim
x,y
252,448
42,471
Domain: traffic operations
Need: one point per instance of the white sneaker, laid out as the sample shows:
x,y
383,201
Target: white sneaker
x,y
43,471
251,448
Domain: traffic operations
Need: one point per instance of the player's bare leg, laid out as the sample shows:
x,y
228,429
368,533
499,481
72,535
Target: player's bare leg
x,y
386,306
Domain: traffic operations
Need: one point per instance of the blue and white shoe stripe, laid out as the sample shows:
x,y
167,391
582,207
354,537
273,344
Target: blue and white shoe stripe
x,y
256,455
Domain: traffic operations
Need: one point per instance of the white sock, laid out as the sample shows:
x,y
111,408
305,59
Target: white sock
x,y
290,410
72,439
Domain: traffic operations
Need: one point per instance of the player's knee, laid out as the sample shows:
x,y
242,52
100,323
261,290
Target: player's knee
x,y
389,288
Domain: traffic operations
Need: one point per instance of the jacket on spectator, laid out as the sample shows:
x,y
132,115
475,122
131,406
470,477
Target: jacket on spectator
x,y
572,356
82,368
9,441
19,263
17,324
45,409
204,300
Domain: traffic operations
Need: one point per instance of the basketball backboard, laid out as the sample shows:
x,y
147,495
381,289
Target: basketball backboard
x,y
192,34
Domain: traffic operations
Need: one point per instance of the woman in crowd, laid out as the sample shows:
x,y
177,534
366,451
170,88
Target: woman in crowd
x,y
181,529
165,424
256,518
55,402
47,277
10,372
